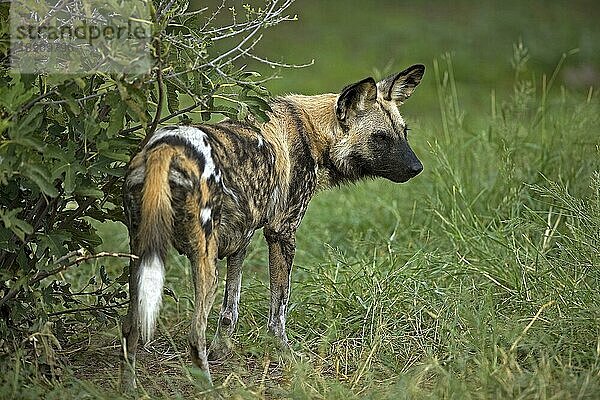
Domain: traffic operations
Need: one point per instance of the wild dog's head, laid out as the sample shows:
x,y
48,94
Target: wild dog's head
x,y
374,135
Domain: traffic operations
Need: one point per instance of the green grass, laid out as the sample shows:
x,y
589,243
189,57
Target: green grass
x,y
479,279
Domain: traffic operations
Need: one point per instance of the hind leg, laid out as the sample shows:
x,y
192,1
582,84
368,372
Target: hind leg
x,y
196,238
221,345
130,331
204,272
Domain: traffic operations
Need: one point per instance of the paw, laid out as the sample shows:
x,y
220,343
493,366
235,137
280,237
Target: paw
x,y
128,382
199,359
279,337
220,349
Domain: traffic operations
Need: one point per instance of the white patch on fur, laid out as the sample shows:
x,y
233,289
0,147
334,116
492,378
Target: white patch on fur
x,y
179,179
276,196
340,152
151,278
161,133
198,139
230,192
205,215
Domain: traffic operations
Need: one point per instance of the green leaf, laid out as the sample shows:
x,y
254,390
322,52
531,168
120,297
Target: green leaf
x,y
249,74
40,176
242,112
260,114
172,97
115,156
70,172
54,242
21,228
91,128
104,276
18,226
87,191
225,110
14,96
136,101
30,124
85,235
258,102
118,110
31,142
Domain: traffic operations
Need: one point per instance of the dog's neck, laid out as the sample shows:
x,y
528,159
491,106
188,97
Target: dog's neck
x,y
314,118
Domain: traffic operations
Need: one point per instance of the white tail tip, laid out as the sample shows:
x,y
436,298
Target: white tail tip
x,y
151,277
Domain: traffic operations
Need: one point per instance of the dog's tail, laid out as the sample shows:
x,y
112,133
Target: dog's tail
x,y
154,236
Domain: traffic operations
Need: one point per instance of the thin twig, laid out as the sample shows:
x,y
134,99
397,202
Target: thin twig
x,y
80,99
214,15
163,10
168,117
84,309
44,274
159,103
236,49
277,64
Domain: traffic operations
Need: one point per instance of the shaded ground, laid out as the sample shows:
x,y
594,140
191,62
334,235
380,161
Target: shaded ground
x,y
165,369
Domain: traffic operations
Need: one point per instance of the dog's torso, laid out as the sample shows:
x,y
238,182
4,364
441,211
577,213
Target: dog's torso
x,y
242,179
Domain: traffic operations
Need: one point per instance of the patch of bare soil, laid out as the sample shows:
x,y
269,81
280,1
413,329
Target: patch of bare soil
x,y
164,368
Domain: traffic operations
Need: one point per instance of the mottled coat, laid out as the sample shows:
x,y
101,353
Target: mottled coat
x,y
206,189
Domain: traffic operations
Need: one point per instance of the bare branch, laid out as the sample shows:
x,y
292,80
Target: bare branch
x,y
269,18
159,82
277,64
40,275
214,15
92,308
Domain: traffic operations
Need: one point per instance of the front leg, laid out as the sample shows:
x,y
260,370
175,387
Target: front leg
x,y
282,247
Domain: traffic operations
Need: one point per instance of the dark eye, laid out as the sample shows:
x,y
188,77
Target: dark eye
x,y
380,135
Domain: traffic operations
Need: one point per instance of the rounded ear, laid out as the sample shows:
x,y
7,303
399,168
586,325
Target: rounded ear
x,y
400,86
356,97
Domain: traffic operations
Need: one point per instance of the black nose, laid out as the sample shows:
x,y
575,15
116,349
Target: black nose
x,y
416,168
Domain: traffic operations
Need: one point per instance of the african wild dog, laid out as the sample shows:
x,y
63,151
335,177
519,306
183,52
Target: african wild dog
x,y
206,189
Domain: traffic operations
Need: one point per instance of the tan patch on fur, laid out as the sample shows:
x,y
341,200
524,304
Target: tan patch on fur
x,y
136,161
156,211
318,116
272,132
187,164
156,220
